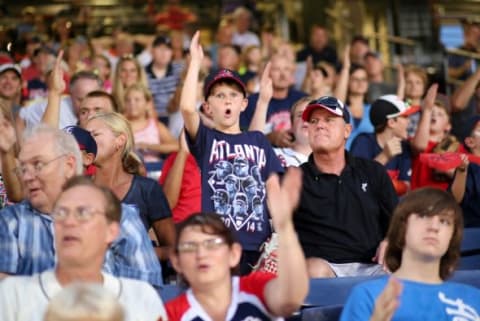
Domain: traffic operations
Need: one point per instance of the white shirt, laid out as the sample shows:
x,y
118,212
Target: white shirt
x,y
32,114
245,39
25,298
289,157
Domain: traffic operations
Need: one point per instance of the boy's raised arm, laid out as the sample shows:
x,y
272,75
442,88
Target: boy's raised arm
x,y
189,91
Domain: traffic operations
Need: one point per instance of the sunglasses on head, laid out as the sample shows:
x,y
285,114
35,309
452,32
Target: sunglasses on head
x,y
330,102
333,104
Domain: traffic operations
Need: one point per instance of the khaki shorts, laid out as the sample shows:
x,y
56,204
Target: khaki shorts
x,y
356,269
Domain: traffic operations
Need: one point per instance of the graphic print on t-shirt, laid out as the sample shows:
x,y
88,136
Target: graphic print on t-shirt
x,y
458,309
238,191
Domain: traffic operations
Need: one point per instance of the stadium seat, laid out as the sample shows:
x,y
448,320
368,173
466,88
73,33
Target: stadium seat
x,y
470,249
327,313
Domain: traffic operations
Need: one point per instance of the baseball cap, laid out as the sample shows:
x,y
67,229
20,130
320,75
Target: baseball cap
x,y
161,40
470,125
220,194
11,66
388,107
240,160
84,139
224,165
223,75
372,54
331,104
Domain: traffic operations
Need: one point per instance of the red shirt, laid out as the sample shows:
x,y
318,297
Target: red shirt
x,y
248,301
190,198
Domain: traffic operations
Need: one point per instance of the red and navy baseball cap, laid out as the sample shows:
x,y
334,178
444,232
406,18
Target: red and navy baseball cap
x,y
329,103
84,139
223,75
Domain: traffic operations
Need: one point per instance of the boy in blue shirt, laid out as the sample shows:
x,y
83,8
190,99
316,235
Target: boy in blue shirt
x,y
250,154
388,145
423,248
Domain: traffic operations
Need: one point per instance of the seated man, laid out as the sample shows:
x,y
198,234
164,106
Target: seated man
x,y
49,157
86,220
346,202
388,145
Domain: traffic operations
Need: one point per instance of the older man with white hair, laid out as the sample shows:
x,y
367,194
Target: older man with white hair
x,y
47,159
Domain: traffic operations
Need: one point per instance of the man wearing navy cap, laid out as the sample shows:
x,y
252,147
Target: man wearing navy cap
x,y
346,202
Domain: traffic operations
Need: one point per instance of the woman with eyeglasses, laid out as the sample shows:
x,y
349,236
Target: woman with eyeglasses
x,y
352,88
118,168
207,255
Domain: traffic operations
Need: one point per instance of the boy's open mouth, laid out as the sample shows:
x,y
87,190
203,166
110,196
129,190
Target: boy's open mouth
x,y
228,111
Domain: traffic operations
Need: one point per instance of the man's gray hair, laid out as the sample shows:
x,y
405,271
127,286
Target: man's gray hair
x,y
84,302
63,142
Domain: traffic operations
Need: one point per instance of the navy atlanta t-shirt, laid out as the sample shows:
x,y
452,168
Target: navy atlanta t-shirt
x,y
234,169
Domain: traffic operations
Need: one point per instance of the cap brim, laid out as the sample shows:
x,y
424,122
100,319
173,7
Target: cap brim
x,y
19,74
311,108
410,111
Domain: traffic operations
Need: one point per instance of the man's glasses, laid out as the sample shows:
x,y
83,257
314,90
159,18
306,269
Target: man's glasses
x,y
209,245
36,167
81,214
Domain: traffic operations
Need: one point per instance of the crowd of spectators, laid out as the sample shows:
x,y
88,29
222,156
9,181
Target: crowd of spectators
x,y
238,167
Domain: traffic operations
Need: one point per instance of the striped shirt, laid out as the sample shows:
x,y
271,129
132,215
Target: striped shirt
x,y
27,245
26,240
132,255
163,88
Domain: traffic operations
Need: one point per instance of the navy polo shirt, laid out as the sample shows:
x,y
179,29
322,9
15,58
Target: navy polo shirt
x,y
366,146
147,195
342,219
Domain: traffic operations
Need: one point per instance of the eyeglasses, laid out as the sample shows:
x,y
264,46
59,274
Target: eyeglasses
x,y
35,167
127,56
209,245
82,214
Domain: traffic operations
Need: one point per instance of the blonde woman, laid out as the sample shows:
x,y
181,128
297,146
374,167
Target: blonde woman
x,y
118,168
127,72
152,137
